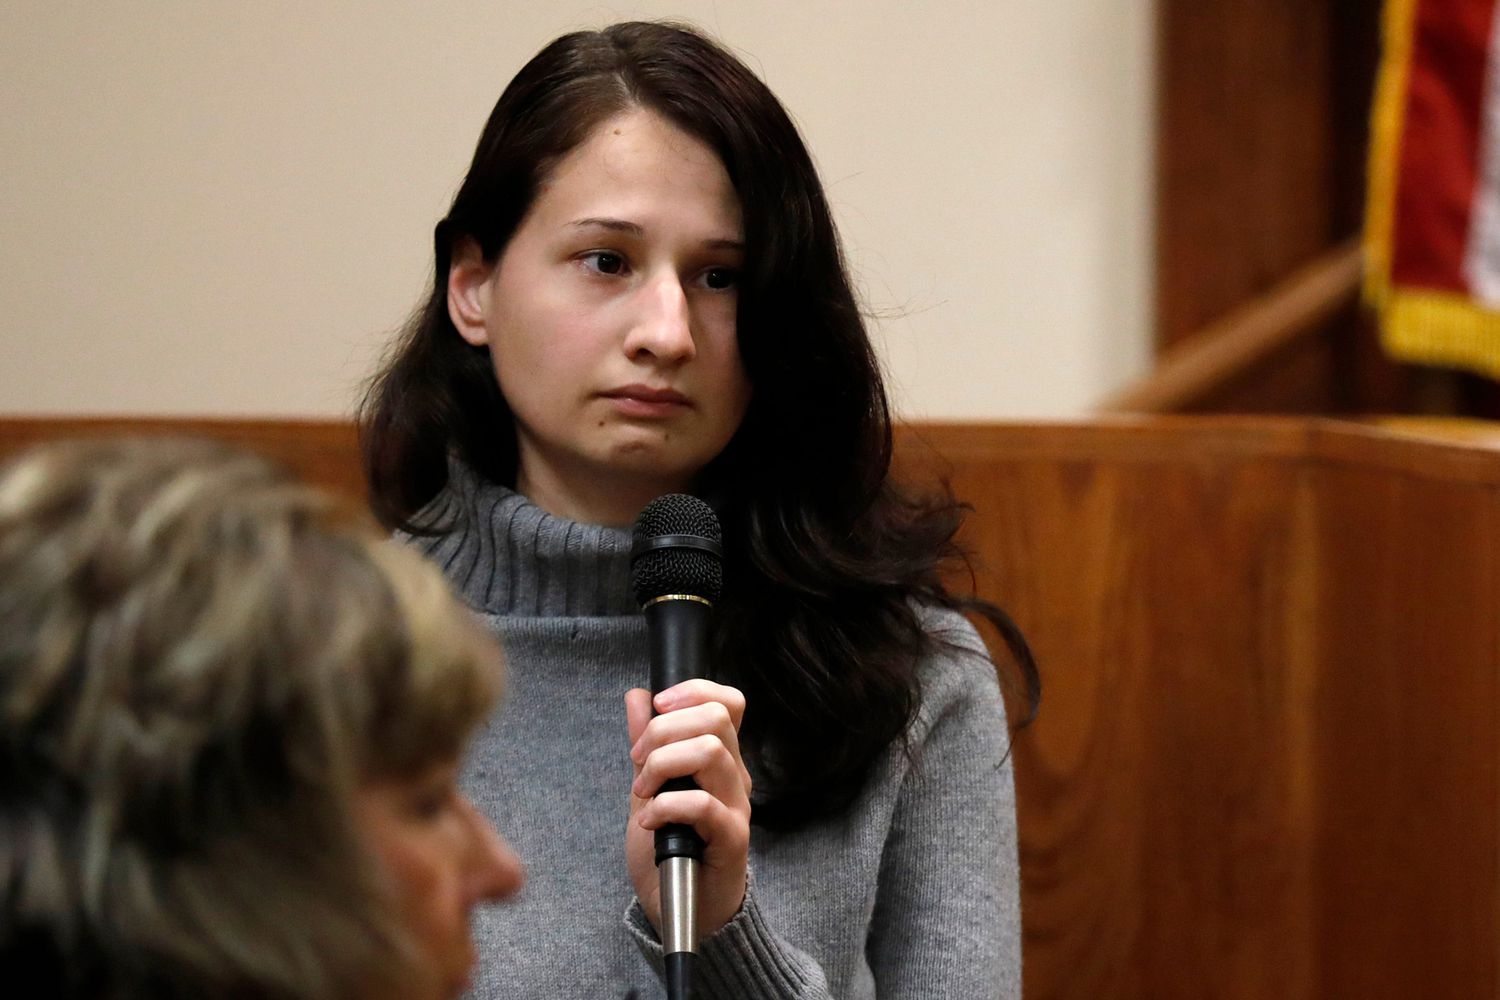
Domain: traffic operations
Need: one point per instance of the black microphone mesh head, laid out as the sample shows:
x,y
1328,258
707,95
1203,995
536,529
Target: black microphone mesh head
x,y
676,569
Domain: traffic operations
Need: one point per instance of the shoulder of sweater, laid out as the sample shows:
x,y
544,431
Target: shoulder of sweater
x,y
957,674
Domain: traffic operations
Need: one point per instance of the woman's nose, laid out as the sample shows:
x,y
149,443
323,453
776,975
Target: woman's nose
x,y
494,870
663,326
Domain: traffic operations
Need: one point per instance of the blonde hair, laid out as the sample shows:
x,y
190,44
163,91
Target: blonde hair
x,y
200,661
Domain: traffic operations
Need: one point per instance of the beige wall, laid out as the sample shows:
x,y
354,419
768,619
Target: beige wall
x,y
217,208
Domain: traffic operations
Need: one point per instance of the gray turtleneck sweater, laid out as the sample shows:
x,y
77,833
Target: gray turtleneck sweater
x,y
913,892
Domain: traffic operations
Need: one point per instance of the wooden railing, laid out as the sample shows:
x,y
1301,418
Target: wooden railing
x,y
325,452
1192,370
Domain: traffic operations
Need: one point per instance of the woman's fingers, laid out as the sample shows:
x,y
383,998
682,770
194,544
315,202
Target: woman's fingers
x,y
724,829
703,758
700,691
685,725
637,718
637,712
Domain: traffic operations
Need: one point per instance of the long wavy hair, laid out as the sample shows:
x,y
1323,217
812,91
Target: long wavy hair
x,y
832,560
200,663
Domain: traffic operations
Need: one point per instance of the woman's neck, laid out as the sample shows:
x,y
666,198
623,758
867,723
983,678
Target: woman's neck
x,y
614,501
510,557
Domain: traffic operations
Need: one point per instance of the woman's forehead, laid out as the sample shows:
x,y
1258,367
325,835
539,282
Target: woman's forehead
x,y
638,169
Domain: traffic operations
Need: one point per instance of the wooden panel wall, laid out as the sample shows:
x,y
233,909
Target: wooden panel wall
x,y
1243,152
1165,826
1405,733
325,452
1266,761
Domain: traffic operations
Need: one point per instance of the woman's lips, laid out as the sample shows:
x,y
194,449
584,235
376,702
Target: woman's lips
x,y
647,402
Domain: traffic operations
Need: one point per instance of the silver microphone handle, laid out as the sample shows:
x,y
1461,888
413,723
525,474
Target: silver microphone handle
x,y
679,905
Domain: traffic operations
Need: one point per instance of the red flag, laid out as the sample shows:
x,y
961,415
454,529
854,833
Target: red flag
x,y
1432,225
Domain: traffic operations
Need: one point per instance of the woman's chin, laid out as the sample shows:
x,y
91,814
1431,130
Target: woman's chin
x,y
439,981
662,462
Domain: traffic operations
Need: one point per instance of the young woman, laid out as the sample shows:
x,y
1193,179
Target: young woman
x,y
228,758
639,290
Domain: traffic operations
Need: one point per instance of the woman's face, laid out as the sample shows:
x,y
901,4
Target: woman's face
x,y
610,318
442,859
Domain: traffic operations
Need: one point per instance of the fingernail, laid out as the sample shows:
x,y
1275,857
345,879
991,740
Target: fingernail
x,y
666,700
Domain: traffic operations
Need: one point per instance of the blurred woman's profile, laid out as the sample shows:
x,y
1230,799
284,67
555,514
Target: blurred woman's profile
x,y
230,723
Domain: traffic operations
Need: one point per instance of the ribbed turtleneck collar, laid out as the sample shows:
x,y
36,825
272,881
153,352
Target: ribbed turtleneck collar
x,y
507,556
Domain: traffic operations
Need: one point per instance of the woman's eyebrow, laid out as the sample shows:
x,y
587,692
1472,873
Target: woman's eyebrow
x,y
636,230
618,225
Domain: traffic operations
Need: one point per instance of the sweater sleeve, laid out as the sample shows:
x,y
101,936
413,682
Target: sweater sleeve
x,y
947,920
742,959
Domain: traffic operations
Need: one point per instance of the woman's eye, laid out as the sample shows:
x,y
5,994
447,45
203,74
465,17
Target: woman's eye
x,y
720,277
605,262
430,803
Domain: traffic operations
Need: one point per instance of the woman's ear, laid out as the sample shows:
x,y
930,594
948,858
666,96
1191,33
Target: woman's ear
x,y
468,281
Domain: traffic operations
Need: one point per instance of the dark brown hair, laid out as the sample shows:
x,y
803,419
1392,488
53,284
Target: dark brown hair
x,y
831,560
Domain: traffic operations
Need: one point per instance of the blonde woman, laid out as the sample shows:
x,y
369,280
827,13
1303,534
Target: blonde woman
x,y
230,719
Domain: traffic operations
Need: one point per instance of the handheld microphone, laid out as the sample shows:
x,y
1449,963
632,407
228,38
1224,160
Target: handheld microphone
x,y
677,573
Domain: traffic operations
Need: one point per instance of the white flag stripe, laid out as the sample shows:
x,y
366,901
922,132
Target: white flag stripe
x,y
1482,253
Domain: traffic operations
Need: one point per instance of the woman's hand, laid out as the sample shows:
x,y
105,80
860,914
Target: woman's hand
x,y
696,736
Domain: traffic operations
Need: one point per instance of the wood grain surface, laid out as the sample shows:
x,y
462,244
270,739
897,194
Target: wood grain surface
x,y
324,452
1265,765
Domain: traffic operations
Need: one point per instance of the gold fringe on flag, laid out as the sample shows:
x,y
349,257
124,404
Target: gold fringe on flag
x,y
1440,328
1420,325
1385,148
